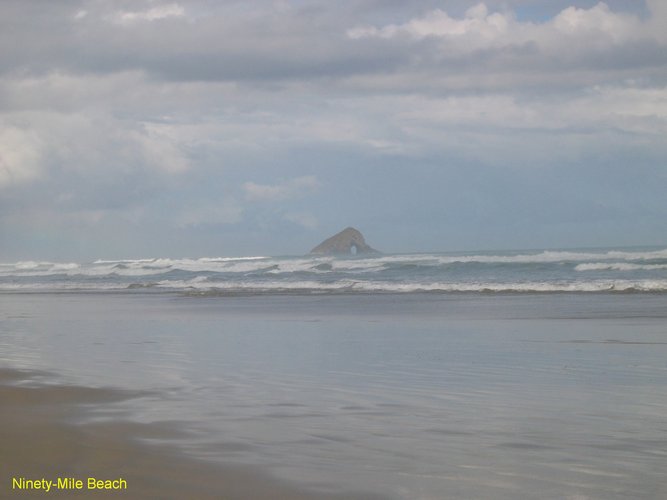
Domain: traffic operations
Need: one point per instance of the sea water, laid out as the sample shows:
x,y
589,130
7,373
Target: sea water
x,y
641,270
480,375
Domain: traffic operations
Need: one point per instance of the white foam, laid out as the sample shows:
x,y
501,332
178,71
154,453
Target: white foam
x,y
29,264
126,261
363,266
542,287
613,260
65,267
61,286
207,264
556,256
379,286
605,266
231,259
299,265
255,286
257,273
138,267
203,284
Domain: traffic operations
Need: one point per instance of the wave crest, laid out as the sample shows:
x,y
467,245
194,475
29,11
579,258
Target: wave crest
x,y
498,272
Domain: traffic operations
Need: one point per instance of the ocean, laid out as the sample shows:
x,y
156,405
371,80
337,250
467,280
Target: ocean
x,y
499,375
602,270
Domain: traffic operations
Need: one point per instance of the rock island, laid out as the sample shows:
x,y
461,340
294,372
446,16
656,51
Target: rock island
x,y
348,242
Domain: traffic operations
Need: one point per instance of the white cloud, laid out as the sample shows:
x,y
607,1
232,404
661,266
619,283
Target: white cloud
x,y
287,190
438,23
20,156
161,148
90,159
598,20
481,29
110,106
153,14
598,108
223,212
658,21
304,219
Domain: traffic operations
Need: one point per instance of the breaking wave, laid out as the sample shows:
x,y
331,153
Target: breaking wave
x,y
602,266
495,272
373,286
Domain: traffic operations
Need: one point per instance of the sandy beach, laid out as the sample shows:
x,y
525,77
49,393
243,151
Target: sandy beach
x,y
543,396
41,439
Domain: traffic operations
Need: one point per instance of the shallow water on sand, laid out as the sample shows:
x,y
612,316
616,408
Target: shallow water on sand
x,y
422,396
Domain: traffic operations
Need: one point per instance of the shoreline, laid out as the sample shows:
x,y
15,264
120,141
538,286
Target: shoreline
x,y
286,398
42,440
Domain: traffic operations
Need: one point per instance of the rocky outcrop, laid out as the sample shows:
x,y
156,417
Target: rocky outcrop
x,y
348,242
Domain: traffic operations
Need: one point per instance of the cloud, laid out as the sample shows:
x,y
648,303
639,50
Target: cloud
x,y
658,19
304,219
20,156
84,162
269,43
596,109
283,191
480,29
223,212
437,23
155,13
160,147
208,41
159,109
433,73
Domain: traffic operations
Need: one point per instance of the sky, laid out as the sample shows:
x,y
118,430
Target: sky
x,y
157,128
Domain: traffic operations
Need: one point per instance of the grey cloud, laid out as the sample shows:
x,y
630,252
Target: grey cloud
x,y
167,115
262,43
285,190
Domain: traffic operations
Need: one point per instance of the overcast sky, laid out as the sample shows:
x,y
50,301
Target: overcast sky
x,y
218,128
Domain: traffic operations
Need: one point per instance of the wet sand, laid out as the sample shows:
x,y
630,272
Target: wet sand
x,y
41,437
503,397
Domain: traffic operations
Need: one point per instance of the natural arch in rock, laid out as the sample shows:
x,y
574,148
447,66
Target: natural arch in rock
x,y
348,242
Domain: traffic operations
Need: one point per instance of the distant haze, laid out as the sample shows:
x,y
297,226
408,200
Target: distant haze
x,y
205,128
